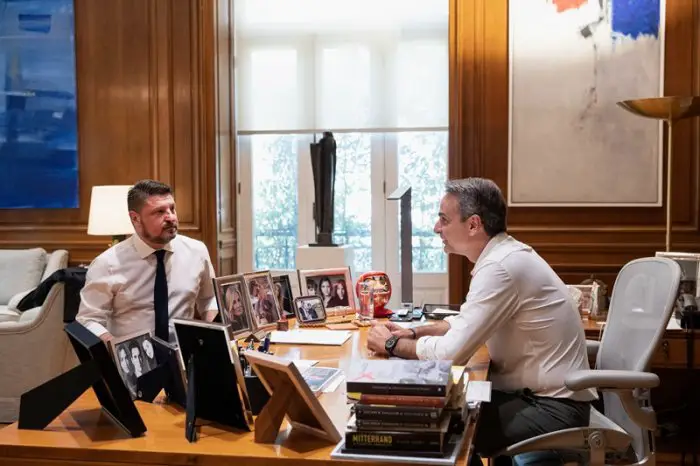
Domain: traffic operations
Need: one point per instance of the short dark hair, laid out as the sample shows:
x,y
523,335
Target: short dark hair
x,y
144,189
482,197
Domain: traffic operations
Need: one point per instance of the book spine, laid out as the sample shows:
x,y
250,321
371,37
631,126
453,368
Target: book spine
x,y
406,441
389,424
399,400
379,412
369,388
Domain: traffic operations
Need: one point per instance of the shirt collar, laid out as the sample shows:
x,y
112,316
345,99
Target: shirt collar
x,y
493,242
145,250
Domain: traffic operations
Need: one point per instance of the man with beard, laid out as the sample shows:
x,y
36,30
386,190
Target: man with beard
x,y
151,277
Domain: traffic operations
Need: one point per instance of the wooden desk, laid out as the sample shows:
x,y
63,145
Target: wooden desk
x,y
672,350
82,435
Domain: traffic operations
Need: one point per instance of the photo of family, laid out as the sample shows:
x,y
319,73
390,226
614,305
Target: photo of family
x,y
233,308
333,286
135,356
264,308
283,294
309,309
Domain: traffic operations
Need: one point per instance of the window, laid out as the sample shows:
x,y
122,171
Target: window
x,y
375,73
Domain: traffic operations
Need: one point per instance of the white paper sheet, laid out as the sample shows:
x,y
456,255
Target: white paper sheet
x,y
478,391
310,337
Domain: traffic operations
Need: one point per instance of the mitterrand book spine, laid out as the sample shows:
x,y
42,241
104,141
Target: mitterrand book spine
x,y
407,441
396,389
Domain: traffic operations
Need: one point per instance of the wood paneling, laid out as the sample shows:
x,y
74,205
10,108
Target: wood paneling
x,y
146,81
578,242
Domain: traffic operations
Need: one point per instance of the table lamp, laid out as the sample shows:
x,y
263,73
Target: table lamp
x,y
109,214
670,110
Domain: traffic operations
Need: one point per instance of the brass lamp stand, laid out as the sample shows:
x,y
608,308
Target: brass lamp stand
x,y
670,110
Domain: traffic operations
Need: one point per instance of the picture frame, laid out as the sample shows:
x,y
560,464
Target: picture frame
x,y
234,304
134,355
283,294
309,309
582,297
290,397
265,311
313,282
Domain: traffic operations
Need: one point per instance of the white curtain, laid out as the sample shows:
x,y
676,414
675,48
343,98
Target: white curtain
x,y
342,65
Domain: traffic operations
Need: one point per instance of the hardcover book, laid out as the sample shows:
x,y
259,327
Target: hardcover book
x,y
399,377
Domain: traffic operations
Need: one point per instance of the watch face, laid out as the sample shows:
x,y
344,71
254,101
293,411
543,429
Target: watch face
x,y
390,343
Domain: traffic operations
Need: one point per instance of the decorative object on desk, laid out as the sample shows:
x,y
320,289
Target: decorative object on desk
x,y
381,286
406,248
290,396
39,135
264,308
233,303
581,294
41,405
686,306
309,309
365,295
135,356
669,110
283,325
599,299
283,294
109,213
323,160
216,388
567,144
330,284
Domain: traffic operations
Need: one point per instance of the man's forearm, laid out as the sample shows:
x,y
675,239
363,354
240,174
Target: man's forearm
x,y
434,330
405,349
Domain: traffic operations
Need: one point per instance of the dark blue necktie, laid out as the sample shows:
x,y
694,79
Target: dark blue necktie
x,y
160,297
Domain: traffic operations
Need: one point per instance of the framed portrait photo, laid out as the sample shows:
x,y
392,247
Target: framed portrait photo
x,y
333,286
264,308
309,309
233,303
283,294
135,356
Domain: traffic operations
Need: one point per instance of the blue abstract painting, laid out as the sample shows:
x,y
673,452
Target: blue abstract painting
x,y
38,122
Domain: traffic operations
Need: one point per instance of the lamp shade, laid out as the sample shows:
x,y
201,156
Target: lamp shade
x,y
664,108
109,214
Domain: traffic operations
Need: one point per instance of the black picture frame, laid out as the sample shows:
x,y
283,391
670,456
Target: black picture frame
x,y
285,298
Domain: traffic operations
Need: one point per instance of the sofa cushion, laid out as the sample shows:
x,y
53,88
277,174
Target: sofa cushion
x,y
30,315
8,315
20,270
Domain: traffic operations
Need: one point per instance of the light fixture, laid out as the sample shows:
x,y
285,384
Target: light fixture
x,y
109,214
670,110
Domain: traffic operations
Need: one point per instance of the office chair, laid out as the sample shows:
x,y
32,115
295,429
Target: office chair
x,y
641,305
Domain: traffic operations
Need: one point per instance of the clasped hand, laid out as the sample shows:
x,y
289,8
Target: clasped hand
x,y
381,332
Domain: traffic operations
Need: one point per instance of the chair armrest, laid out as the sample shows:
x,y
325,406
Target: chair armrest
x,y
611,379
592,347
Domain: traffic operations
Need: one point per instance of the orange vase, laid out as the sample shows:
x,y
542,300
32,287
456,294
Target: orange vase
x,y
382,291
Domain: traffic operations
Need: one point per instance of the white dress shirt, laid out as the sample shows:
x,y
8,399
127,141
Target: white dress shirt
x,y
524,313
118,292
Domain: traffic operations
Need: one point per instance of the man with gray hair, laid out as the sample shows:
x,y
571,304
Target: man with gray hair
x,y
519,308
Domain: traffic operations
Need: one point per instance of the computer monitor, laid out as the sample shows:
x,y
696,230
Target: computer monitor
x,y
41,405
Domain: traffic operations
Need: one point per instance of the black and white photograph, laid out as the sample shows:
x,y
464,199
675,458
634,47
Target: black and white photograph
x,y
283,294
333,286
232,302
309,309
135,356
264,309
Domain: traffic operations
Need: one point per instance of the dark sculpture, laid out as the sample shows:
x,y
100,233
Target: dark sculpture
x,y
323,158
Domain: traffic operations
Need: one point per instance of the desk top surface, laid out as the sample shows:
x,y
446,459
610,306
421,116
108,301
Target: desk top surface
x,y
84,434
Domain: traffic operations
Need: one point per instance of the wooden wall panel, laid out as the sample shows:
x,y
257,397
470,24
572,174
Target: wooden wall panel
x,y
145,110
578,242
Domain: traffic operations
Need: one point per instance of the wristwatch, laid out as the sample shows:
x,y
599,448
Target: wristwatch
x,y
391,344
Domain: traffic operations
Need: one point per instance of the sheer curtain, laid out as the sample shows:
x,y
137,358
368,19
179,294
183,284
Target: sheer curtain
x,y
342,65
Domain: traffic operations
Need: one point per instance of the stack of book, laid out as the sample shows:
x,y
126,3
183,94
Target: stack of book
x,y
401,407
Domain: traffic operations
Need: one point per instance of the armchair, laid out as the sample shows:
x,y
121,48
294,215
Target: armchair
x,y
641,306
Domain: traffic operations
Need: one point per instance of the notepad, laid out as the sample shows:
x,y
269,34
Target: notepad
x,y
310,337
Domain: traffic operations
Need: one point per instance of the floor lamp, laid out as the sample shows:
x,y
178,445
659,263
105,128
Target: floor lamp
x,y
670,110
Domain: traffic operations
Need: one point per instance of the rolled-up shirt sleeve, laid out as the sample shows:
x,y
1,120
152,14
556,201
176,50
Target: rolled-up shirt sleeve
x,y
492,300
96,298
206,301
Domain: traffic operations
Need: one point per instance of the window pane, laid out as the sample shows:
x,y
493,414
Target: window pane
x,y
275,203
353,198
345,87
271,90
423,166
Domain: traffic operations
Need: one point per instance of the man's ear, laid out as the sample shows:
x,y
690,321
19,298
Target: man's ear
x,y
134,217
